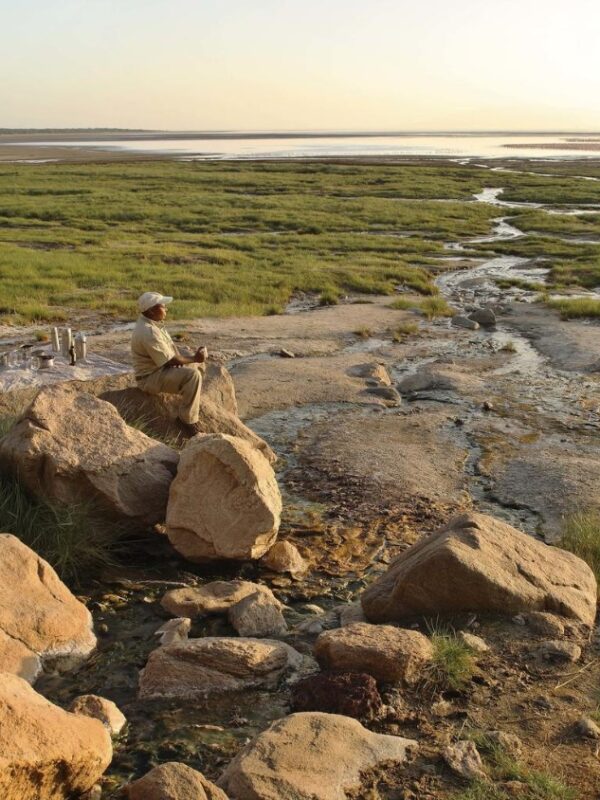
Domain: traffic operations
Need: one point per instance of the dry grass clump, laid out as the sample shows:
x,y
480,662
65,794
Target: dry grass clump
x,y
431,307
581,535
576,307
404,330
454,663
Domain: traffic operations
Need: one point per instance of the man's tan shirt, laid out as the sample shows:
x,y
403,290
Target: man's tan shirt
x,y
151,347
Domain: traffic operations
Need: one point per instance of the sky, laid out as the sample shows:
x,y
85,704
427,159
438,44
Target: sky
x,y
309,65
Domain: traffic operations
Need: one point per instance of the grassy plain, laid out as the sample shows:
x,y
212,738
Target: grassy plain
x,y
236,238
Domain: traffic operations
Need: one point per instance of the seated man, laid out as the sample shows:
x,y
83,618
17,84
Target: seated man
x,y
158,365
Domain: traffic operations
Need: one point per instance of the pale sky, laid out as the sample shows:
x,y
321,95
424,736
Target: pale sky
x,y
301,64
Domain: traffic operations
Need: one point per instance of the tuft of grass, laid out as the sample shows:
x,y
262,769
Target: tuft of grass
x,y
509,347
404,330
504,767
71,538
576,307
329,298
581,536
363,333
42,336
431,307
453,664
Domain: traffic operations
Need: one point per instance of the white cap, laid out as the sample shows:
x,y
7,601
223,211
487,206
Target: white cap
x,y
151,299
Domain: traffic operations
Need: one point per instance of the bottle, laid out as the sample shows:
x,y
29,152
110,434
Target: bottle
x,y
66,340
72,355
81,346
55,340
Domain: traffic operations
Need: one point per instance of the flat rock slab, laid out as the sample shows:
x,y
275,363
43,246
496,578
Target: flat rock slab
x,y
478,563
39,617
214,665
70,447
311,756
390,655
225,502
47,753
216,597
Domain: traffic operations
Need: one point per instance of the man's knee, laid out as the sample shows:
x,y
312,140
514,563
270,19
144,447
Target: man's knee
x,y
192,378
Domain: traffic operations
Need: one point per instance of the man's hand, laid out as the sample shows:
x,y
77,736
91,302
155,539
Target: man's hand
x,y
201,355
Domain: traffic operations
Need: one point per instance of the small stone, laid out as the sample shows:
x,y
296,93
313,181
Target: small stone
x,y
352,694
91,705
509,742
587,728
484,316
391,396
487,406
557,651
95,793
476,643
285,353
285,557
350,613
519,619
174,781
460,321
545,624
463,758
258,615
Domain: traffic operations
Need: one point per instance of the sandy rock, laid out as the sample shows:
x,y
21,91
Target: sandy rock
x,y
389,654
258,615
476,643
587,728
372,371
174,630
224,502
558,651
352,694
440,378
46,753
174,781
388,394
71,447
91,705
311,756
478,563
285,557
213,665
40,619
509,742
350,613
545,624
464,322
215,597
484,317
463,758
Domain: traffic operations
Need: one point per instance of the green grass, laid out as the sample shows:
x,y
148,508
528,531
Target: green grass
x,y
503,767
431,307
581,536
576,307
453,664
404,330
71,538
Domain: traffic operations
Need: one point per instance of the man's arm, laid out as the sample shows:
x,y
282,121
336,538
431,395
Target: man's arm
x,y
179,360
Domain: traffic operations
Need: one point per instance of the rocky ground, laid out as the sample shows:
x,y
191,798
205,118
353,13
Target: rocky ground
x,y
379,442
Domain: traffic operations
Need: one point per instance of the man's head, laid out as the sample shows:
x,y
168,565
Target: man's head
x,y
154,305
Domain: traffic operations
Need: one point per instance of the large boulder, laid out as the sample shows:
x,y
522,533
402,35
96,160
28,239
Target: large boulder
x,y
311,756
71,447
174,781
225,502
216,597
39,617
214,665
478,563
390,655
46,753
218,409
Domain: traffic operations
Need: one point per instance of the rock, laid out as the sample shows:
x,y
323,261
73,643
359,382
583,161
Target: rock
x,y
215,597
46,753
174,630
95,793
224,501
174,781
484,317
70,447
464,322
391,396
390,655
213,665
463,758
487,406
478,563
545,624
350,613
509,742
40,620
476,643
283,353
558,651
432,377
90,705
285,557
311,756
218,409
258,615
352,694
587,728
372,371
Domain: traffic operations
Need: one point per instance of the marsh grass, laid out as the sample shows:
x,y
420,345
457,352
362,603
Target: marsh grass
x,y
576,308
405,329
73,539
503,767
453,664
581,536
431,307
